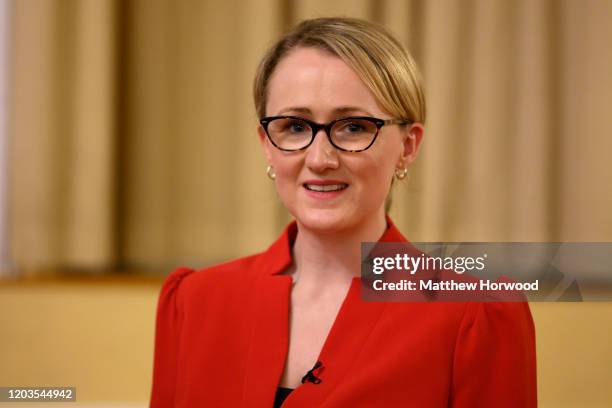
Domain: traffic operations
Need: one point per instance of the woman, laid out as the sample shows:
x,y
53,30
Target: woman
x,y
341,111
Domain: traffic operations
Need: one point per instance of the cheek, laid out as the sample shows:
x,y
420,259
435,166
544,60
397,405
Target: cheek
x,y
287,167
287,172
374,176
387,161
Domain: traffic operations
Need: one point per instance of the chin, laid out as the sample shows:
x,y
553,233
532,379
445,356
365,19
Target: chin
x,y
325,220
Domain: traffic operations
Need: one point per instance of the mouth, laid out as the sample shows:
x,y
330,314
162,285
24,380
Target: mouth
x,y
325,188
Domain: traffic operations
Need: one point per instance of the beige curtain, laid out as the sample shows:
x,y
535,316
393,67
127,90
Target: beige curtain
x,y
133,139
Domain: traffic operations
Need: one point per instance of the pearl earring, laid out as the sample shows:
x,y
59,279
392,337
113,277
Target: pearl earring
x,y
400,174
271,173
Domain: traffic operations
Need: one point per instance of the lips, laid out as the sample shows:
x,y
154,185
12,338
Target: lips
x,y
325,187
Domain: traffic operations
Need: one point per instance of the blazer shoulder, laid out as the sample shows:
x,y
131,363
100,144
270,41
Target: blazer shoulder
x,y
495,357
233,274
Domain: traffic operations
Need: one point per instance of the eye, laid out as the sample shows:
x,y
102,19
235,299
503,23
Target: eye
x,y
354,127
296,127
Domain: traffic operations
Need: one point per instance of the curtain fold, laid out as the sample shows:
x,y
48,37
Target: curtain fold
x,y
62,134
133,141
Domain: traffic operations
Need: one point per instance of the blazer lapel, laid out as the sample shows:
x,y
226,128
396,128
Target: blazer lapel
x,y
269,341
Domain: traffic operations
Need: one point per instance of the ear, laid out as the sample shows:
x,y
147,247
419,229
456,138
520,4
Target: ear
x,y
265,143
412,137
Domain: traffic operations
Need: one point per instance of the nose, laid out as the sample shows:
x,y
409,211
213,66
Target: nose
x,y
321,155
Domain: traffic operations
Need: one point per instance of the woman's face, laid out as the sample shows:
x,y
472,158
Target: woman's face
x,y
319,86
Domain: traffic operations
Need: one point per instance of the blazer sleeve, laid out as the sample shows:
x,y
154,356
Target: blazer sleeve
x,y
495,358
167,339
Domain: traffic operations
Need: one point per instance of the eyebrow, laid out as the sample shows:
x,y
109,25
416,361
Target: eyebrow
x,y
340,110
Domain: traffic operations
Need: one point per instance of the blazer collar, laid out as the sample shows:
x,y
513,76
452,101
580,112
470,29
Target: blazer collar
x,y
278,255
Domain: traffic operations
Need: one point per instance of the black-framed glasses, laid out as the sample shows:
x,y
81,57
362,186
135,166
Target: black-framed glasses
x,y
352,134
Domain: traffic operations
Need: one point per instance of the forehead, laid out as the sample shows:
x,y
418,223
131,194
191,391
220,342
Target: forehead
x,y
319,81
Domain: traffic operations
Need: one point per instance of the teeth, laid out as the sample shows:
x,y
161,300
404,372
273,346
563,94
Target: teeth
x,y
328,187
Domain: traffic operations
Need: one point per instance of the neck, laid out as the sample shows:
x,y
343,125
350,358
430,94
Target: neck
x,y
333,258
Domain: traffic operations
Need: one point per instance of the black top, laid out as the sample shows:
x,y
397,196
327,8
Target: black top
x,y
281,394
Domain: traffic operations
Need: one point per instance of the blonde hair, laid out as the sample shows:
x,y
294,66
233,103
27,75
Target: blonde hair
x,y
368,48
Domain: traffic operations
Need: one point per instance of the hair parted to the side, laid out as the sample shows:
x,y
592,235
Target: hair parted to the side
x,y
368,48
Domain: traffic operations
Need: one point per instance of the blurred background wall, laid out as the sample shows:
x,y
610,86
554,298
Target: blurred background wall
x,y
131,147
133,138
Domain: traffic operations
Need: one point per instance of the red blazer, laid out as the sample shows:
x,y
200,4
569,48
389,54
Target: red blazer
x,y
222,340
